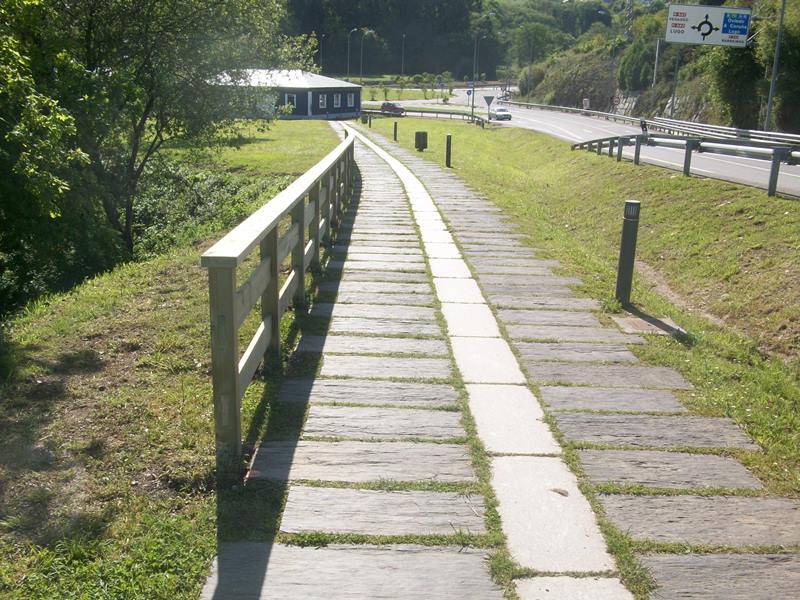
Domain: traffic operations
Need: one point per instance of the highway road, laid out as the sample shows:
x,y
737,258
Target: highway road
x,y
577,128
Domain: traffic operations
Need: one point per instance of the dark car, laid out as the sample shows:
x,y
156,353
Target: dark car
x,y
390,108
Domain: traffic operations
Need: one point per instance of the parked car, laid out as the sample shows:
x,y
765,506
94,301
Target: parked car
x,y
500,113
390,108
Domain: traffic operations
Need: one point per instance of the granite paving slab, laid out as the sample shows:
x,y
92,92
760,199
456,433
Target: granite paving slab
x,y
607,375
346,344
619,399
367,391
549,525
327,309
374,512
724,576
654,431
474,320
701,520
509,420
387,423
666,469
342,365
457,290
361,461
548,317
572,588
486,360
385,326
575,352
261,571
449,267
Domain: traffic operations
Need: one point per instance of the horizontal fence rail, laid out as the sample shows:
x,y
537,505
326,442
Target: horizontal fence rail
x,y
436,114
759,150
672,126
313,203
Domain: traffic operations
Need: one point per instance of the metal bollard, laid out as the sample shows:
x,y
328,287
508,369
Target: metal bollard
x,y
778,155
448,150
619,149
370,121
395,131
638,150
627,251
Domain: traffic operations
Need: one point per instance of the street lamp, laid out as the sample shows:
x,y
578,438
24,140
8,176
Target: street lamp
x,y
775,62
352,31
478,39
321,44
361,60
403,57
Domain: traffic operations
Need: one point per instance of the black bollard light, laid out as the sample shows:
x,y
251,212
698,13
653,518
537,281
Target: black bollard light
x,y
627,251
448,151
395,131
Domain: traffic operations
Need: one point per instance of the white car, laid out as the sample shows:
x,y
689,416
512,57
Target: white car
x,y
500,113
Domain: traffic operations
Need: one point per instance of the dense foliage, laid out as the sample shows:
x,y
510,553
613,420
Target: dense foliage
x,y
90,90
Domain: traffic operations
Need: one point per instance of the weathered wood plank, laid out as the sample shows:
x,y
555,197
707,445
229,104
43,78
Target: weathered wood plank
x,y
718,520
367,391
607,375
575,352
340,365
599,398
361,461
385,326
259,571
373,512
326,309
653,431
548,317
571,334
346,344
387,423
724,576
666,469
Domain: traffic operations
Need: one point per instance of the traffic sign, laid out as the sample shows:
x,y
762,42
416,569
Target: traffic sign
x,y
488,100
469,92
710,25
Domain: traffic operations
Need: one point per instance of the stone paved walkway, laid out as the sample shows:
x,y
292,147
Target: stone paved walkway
x,y
440,308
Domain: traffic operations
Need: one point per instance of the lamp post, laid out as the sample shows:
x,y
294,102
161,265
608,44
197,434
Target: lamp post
x,y
352,31
403,57
361,61
321,45
478,39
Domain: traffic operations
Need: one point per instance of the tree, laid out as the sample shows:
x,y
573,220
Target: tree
x,y
143,71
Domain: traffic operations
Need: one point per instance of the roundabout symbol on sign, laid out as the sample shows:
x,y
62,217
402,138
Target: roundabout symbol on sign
x,y
705,27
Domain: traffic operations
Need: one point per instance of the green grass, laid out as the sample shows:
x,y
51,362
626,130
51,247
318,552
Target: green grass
x,y
395,93
286,147
106,456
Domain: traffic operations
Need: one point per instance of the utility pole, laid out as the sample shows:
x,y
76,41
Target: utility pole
x,y
775,64
321,46
655,67
674,84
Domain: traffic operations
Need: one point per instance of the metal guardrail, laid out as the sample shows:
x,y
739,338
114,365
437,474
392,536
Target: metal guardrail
x,y
464,116
313,202
774,153
671,126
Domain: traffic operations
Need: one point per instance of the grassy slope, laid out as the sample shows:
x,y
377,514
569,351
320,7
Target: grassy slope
x,y
106,458
727,248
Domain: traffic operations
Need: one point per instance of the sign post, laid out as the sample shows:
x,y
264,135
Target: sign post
x,y
488,105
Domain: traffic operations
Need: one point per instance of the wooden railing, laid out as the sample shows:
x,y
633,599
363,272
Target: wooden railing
x,y
313,202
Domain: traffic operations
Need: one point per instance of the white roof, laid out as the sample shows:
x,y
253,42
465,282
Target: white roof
x,y
290,78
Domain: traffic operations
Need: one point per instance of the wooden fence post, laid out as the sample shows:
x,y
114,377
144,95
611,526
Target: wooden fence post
x,y
314,197
225,371
298,254
269,300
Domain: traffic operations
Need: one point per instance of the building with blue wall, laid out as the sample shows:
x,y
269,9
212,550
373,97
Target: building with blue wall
x,y
303,95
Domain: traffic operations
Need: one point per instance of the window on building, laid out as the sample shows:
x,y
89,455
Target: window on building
x,y
291,100
337,101
323,101
351,99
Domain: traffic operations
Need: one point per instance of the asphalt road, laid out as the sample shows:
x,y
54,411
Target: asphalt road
x,y
577,128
